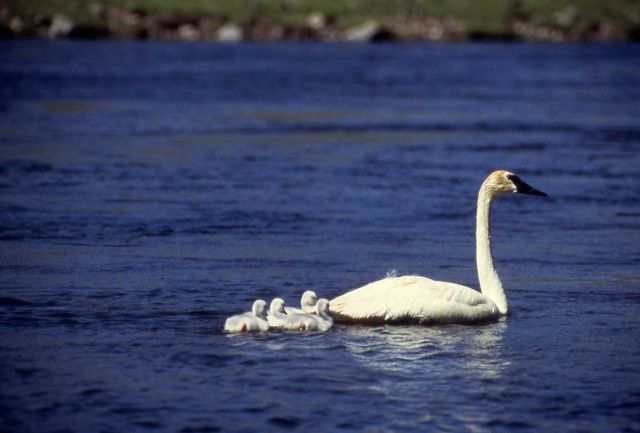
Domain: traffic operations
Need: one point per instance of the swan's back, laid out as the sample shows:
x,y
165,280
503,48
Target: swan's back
x,y
301,322
252,321
246,322
413,299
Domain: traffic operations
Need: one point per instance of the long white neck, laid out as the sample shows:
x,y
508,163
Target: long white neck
x,y
490,284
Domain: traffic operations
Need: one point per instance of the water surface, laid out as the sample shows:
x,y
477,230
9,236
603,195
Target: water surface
x,y
149,190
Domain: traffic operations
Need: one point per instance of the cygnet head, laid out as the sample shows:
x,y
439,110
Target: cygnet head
x,y
309,298
322,306
259,308
502,182
277,306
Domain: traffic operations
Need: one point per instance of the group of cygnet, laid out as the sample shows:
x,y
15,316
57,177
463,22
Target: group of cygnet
x,y
313,315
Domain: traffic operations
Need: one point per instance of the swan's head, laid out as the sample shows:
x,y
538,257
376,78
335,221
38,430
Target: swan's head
x,y
277,306
259,308
322,306
502,182
309,299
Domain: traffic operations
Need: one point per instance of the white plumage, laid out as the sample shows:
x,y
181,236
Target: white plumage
x,y
276,316
252,321
415,299
307,304
321,321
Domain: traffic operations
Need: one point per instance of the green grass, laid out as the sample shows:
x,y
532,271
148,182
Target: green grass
x,y
489,16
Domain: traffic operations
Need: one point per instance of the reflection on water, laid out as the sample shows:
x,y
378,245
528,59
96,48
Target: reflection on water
x,y
406,351
423,366
486,350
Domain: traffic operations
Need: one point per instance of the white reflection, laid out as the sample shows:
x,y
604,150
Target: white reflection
x,y
433,378
404,352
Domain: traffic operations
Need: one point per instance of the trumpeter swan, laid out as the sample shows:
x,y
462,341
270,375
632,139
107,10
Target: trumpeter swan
x,y
321,321
252,321
276,315
307,304
416,299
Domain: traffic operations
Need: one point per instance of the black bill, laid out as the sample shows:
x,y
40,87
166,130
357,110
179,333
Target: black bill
x,y
524,188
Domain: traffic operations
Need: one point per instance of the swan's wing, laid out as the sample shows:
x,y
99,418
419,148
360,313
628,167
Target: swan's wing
x,y
256,324
238,323
412,299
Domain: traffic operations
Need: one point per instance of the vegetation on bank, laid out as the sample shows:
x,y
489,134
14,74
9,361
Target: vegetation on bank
x,y
357,20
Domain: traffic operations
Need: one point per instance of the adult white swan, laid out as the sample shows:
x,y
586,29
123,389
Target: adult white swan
x,y
416,299
252,321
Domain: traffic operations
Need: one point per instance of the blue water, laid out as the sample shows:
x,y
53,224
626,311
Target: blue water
x,y
149,190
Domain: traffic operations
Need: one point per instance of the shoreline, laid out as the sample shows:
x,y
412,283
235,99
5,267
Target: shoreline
x,y
513,22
